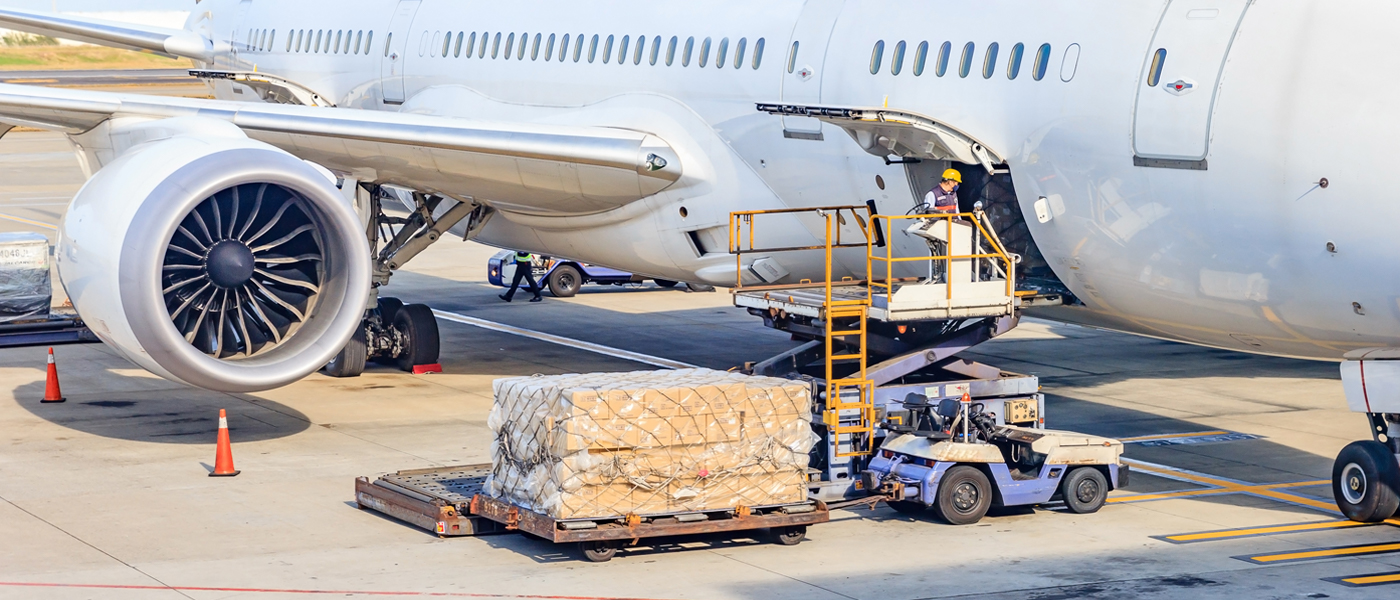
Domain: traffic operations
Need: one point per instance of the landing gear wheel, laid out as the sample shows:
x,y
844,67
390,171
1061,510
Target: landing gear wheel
x,y
1085,490
666,283
350,361
907,507
790,535
964,495
417,324
565,281
1366,482
598,551
388,307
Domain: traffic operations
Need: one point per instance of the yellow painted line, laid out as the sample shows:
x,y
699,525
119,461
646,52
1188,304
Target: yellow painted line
x,y
1324,553
1228,489
1223,486
1143,438
1254,531
1372,579
21,80
29,221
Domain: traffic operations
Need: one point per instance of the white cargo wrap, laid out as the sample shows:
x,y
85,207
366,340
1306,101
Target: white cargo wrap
x,y
649,442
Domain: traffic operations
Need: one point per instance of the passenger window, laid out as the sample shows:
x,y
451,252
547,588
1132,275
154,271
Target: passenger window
x,y
621,50
578,47
897,59
671,51
920,57
637,54
564,48
549,48
792,57
510,44
1154,73
739,52
965,65
655,50
360,38
446,43
342,42
685,55
369,39
943,52
989,62
319,34
291,37
524,41
593,48
387,40
1013,64
456,48
535,49
722,54
1042,61
757,53
876,54
496,46
704,52
301,35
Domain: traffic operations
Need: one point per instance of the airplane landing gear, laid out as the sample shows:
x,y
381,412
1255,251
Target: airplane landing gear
x,y
395,333
1366,481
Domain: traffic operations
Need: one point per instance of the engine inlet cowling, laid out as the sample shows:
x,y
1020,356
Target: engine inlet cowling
x,y
216,260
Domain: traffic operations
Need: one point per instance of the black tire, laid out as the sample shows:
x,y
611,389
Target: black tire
x,y
417,323
790,535
350,361
1366,482
388,307
1085,490
964,495
907,507
598,551
666,283
565,281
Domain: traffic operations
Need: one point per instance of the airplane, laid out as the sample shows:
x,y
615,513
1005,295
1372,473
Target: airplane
x,y
1205,171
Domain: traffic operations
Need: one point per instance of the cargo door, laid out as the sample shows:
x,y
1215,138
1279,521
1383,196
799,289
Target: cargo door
x,y
395,57
806,57
1180,77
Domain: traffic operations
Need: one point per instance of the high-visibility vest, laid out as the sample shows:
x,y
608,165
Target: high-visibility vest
x,y
523,257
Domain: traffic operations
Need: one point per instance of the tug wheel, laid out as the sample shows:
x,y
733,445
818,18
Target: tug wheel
x,y
598,551
1084,490
1366,482
964,496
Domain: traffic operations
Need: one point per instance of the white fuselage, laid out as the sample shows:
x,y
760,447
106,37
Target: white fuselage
x,y
1272,97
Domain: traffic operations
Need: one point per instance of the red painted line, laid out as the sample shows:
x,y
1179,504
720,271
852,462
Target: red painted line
x,y
102,586
1361,364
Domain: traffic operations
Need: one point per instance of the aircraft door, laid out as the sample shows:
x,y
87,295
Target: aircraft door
x,y
395,56
1181,74
806,55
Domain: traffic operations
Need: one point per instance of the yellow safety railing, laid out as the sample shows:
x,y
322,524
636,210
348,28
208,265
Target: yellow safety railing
x,y
857,433
887,285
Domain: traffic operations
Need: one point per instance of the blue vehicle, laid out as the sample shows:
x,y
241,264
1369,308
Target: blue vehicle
x,y
955,460
562,277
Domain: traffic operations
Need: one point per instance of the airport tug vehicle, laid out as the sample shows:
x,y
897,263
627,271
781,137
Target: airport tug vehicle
x,y
953,458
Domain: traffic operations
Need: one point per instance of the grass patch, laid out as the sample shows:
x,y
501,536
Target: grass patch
x,y
83,57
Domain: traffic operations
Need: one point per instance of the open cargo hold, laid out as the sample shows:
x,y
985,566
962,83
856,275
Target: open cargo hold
x,y
601,445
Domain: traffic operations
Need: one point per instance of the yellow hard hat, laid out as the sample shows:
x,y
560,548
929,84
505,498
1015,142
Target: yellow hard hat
x,y
953,174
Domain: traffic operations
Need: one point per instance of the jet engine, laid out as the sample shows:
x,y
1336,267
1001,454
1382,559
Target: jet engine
x,y
213,259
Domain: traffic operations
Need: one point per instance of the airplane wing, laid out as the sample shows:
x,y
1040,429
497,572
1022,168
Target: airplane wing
x,y
539,169
158,40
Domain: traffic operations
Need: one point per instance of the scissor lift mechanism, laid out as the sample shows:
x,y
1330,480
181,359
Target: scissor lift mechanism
x,y
877,341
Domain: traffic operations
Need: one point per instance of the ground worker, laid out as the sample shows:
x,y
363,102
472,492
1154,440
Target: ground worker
x,y
524,268
943,198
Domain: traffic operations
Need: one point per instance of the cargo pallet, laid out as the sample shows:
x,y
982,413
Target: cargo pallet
x,y
449,501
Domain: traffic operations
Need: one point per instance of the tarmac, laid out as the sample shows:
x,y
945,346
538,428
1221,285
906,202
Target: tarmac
x,y
106,495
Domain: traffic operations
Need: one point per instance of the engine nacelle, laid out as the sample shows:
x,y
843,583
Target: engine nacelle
x,y
213,259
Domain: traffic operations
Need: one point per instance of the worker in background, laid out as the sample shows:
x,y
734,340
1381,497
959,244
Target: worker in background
x,y
524,268
943,198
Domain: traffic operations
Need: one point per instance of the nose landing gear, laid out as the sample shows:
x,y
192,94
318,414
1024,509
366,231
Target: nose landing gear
x,y
1366,481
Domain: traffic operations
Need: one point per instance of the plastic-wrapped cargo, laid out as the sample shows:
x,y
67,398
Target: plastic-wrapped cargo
x,y
25,292
602,445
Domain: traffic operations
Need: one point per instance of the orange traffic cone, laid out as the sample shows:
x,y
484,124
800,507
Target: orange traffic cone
x,y
223,457
51,392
